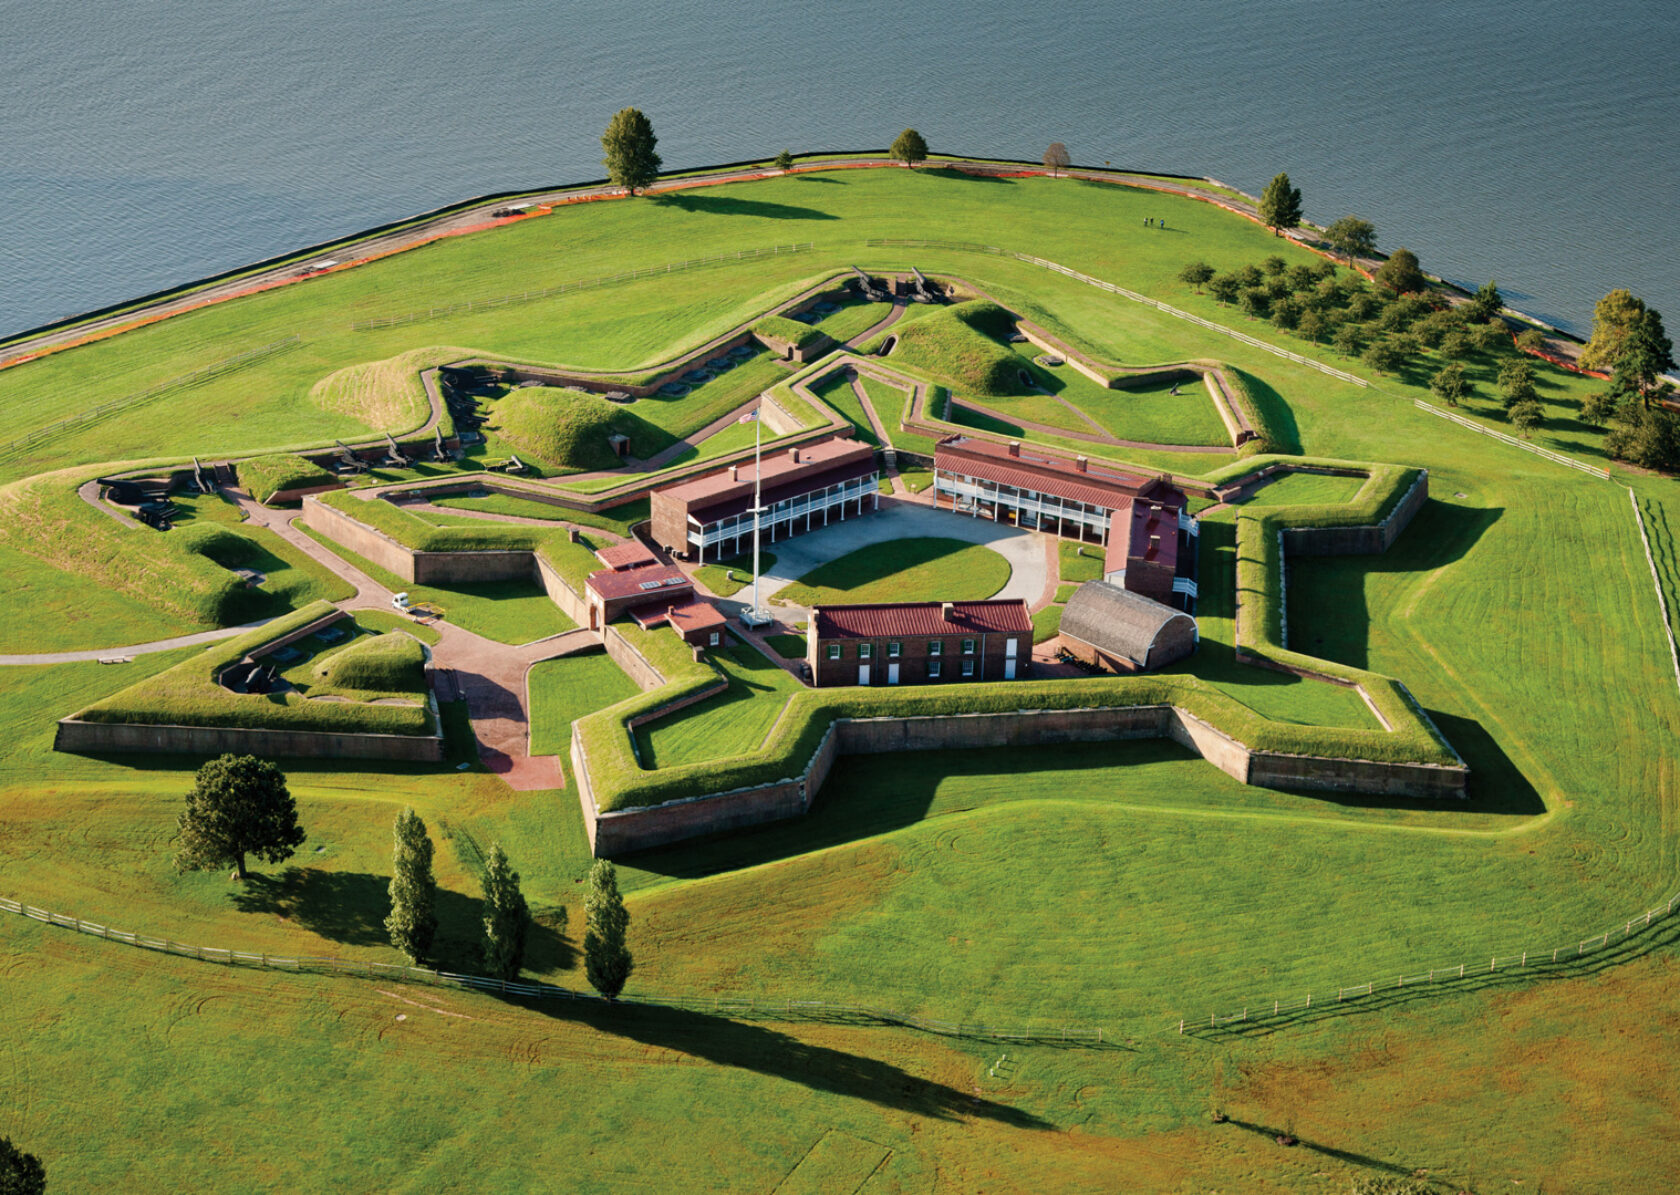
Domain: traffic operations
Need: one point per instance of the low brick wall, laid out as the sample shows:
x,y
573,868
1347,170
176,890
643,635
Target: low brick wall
x,y
569,600
629,659
625,830
1360,541
122,738
361,539
281,497
457,568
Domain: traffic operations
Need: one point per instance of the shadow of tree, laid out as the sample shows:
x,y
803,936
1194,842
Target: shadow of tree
x,y
779,1055
721,205
350,907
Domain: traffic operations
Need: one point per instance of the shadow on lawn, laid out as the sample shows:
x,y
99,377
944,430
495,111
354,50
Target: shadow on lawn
x,y
1341,1155
778,1055
719,205
350,907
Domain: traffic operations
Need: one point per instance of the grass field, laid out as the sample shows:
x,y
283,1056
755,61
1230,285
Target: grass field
x,y
715,577
566,689
836,391
618,520
1518,609
907,570
730,723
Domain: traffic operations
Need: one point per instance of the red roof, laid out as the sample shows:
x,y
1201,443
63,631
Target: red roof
x,y
908,620
786,472
696,616
629,554
1151,534
1029,468
650,580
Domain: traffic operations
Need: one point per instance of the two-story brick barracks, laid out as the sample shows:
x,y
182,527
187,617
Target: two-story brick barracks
x,y
710,518
918,643
1141,523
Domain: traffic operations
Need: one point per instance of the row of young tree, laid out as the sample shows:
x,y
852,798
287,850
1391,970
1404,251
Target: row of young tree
x,y
240,806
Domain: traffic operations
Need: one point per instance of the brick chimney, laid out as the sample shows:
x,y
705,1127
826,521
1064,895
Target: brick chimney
x,y
948,611
1014,448
1081,464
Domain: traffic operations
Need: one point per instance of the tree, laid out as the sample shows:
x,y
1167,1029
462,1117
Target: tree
x,y
1489,336
1455,345
1449,385
606,957
413,920
1285,314
1196,274
1486,304
505,917
1645,436
909,148
1302,278
1516,383
238,806
1598,408
1525,416
1401,273
1646,354
1531,340
1381,355
1225,287
784,161
1056,158
1274,266
1311,325
1348,339
1255,302
628,142
1613,315
20,1173
1280,205
1353,237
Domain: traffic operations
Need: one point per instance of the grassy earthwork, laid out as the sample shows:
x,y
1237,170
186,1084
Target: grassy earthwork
x,y
1123,885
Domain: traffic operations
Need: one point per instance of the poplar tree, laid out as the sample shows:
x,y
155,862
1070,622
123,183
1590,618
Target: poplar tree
x,y
631,162
505,917
239,805
909,148
606,957
1280,205
413,920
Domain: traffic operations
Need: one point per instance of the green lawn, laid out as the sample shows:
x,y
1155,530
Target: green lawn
x,y
715,577
734,721
905,570
1517,608
618,520
1080,562
1305,489
853,319
1047,623
836,391
789,647
564,690
506,611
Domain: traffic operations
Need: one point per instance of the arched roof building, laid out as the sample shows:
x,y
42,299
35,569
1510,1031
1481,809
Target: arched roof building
x,y
1121,631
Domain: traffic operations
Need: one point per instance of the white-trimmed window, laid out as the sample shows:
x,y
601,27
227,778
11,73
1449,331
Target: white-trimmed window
x,y
893,649
936,647
934,667
834,651
968,649
968,667
865,650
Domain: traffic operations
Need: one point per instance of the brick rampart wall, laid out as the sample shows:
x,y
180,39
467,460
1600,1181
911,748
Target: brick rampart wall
x,y
130,737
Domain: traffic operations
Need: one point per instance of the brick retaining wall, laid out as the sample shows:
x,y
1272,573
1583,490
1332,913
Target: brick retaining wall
x,y
100,738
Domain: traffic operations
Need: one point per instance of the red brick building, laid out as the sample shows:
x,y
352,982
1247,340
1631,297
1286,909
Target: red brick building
x,y
1149,539
917,643
634,578
710,518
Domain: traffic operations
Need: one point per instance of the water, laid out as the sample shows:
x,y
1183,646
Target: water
x,y
149,144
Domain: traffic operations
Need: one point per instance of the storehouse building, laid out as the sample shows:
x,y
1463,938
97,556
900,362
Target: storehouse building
x,y
918,643
711,518
1121,631
1149,539
634,578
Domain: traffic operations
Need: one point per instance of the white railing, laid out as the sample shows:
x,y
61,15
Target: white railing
x,y
1557,458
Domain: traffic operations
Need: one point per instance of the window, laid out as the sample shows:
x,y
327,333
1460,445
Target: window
x,y
893,649
834,651
714,639
865,650
933,670
968,667
968,649
936,647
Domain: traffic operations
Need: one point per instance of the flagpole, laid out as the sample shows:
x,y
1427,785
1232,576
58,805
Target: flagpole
x,y
758,504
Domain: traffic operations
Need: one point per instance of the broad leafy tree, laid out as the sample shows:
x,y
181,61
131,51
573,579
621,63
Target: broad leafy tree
x,y
506,917
784,160
1352,237
1486,303
606,956
20,1173
1280,205
1401,273
1645,436
239,805
1348,338
1056,158
1525,416
1382,355
1311,325
1196,274
413,920
1531,340
1647,353
910,148
1449,384
1598,408
1516,383
1255,302
629,145
1225,287
1613,316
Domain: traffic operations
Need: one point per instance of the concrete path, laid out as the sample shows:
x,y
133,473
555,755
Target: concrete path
x,y
133,649
1029,577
